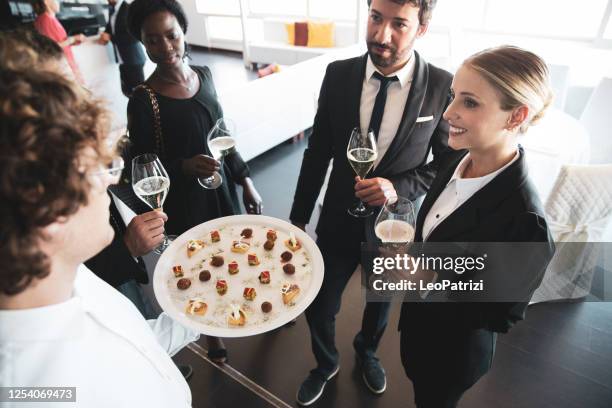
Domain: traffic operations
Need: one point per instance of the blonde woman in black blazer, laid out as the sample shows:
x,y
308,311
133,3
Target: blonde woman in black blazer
x,y
481,194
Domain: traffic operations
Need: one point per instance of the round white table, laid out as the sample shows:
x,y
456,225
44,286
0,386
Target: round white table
x,y
557,140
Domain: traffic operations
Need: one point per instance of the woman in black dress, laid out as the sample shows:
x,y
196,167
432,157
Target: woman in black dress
x,y
481,195
186,101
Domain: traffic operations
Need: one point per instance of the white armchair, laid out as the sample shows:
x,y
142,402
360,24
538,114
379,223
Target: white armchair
x,y
578,210
598,122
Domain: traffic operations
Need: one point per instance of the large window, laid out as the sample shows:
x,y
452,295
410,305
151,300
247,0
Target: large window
x,y
219,7
554,18
279,7
333,10
547,18
608,32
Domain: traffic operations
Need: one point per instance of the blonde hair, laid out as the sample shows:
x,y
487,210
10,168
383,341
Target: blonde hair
x,y
520,76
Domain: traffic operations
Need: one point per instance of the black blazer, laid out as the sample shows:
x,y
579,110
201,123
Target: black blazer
x,y
507,209
115,265
404,164
126,45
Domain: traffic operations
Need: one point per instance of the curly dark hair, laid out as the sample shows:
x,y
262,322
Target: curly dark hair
x,y
46,122
25,47
426,8
139,10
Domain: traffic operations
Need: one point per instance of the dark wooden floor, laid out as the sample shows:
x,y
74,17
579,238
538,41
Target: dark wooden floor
x,y
559,357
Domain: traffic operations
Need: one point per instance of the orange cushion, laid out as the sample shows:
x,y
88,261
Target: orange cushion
x,y
290,27
321,34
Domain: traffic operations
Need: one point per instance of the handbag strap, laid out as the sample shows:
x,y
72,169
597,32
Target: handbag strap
x,y
159,141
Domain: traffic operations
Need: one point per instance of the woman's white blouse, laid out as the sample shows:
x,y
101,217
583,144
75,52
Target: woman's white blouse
x,y
457,191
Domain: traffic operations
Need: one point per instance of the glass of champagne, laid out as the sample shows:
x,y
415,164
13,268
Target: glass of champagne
x,y
361,153
221,142
395,222
151,184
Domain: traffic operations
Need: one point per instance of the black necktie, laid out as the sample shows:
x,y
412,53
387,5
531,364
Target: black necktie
x,y
379,103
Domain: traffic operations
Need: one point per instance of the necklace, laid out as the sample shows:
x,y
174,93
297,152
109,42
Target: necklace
x,y
189,86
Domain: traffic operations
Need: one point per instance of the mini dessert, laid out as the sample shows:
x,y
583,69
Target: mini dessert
x,y
217,260
292,243
221,287
289,269
178,271
214,236
240,247
193,246
264,277
289,292
266,307
268,245
286,256
183,283
253,260
246,233
204,276
196,306
271,235
232,268
237,317
249,293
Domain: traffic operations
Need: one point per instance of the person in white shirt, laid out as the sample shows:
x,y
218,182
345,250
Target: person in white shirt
x,y
60,325
481,195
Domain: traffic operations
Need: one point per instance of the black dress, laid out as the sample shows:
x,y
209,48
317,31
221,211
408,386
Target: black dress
x,y
185,124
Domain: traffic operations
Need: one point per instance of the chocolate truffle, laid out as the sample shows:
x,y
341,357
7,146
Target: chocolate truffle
x,y
266,307
247,233
217,260
204,276
286,256
183,283
289,269
269,245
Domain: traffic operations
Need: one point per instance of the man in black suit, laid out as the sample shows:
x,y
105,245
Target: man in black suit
x,y
128,51
395,92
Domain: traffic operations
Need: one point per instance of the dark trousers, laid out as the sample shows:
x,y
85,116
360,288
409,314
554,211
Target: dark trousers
x,y
132,75
444,364
321,314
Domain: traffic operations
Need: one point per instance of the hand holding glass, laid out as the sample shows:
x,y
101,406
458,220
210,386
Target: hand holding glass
x,y
395,222
361,153
220,141
151,184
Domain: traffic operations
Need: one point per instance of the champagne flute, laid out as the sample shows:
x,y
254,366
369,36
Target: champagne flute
x,y
395,222
151,184
221,143
361,153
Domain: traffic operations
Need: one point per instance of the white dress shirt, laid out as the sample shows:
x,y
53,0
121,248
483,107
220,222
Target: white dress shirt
x,y
113,18
98,342
397,94
457,191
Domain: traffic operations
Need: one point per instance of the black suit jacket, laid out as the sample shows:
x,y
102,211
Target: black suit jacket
x,y
507,209
404,164
115,265
126,45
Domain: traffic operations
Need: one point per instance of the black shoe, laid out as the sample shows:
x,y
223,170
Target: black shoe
x,y
186,370
217,356
373,374
312,387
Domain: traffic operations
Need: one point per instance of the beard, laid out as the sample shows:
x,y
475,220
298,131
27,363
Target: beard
x,y
396,57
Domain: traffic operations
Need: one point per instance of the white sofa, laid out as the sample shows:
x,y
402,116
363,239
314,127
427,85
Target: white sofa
x,y
274,47
270,110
